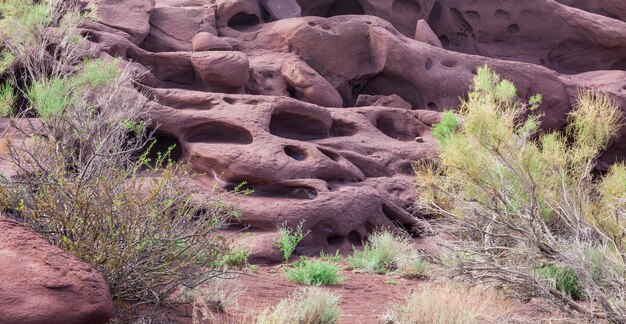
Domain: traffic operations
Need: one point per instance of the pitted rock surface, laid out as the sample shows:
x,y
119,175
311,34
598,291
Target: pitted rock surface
x,y
324,113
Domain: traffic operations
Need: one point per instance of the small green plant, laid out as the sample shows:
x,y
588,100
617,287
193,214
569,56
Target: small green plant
x,y
448,124
7,100
236,258
288,239
330,257
392,282
309,272
563,279
310,305
386,253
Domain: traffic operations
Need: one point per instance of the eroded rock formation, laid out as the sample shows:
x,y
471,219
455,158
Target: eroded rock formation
x,y
322,106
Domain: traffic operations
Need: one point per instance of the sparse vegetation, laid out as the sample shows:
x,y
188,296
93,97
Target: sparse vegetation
x,y
310,305
388,253
288,240
526,202
434,304
214,299
311,272
82,173
235,258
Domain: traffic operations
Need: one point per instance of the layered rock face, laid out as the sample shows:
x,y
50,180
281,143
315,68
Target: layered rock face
x,y
322,106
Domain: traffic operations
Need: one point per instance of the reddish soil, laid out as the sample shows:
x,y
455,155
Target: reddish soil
x,y
364,297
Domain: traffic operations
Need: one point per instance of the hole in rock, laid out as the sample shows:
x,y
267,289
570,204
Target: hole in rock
x,y
230,100
165,143
502,15
432,106
355,238
406,168
242,21
435,15
621,65
282,191
513,29
345,7
297,127
473,15
335,240
448,63
342,128
395,218
464,27
393,128
295,153
429,64
329,154
444,40
369,228
407,7
219,132
312,24
88,35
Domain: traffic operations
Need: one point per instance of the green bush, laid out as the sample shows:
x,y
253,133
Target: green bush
x,y
288,240
311,305
386,253
521,197
308,272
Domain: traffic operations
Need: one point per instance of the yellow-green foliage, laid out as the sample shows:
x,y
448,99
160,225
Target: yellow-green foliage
x,y
7,99
306,306
51,97
496,160
527,198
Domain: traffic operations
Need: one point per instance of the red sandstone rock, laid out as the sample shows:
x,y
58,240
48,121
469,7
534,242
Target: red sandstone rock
x,y
423,33
269,112
282,9
393,101
208,42
40,283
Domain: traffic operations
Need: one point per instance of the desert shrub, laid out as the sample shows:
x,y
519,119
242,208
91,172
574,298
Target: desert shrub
x,y
310,272
82,176
524,200
288,240
310,305
387,253
39,39
447,304
83,182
